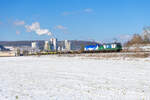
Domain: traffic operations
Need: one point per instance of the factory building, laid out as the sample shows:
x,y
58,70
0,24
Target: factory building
x,y
60,48
53,44
34,48
67,45
34,45
47,46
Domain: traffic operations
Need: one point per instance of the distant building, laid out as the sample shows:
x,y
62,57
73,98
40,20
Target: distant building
x,y
2,48
53,44
11,48
60,48
47,46
67,45
34,45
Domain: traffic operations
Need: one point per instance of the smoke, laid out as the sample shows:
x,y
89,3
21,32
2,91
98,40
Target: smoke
x,y
35,27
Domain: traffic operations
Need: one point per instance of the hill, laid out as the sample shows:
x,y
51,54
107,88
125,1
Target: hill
x,y
76,44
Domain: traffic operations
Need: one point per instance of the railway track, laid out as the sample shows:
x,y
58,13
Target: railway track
x,y
90,52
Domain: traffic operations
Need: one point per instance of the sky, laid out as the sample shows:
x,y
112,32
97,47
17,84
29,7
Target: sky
x,y
99,20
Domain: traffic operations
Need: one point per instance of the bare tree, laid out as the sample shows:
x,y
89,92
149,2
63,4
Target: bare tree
x,y
146,34
18,52
144,38
136,39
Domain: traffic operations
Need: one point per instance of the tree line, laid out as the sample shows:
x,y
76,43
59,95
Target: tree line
x,y
143,38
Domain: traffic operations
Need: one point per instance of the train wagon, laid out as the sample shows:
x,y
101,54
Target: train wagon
x,y
107,47
91,47
110,47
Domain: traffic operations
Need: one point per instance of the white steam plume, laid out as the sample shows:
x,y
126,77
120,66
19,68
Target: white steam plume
x,y
35,27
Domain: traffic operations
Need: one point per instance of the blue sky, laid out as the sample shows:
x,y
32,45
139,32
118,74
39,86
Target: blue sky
x,y
72,19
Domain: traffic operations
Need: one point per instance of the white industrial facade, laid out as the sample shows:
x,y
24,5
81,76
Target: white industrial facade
x,y
53,43
34,45
47,45
67,45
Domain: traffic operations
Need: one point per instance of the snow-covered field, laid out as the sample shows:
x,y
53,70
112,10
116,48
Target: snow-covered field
x,y
73,78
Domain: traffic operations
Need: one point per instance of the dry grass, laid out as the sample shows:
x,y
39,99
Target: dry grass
x,y
108,55
119,55
139,55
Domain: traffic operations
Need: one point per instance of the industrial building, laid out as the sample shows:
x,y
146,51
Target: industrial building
x,y
34,45
67,45
47,46
2,48
53,44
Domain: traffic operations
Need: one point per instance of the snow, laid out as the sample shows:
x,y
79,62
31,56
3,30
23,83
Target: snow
x,y
73,78
143,48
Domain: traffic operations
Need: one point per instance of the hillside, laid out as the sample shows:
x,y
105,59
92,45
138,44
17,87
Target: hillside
x,y
76,44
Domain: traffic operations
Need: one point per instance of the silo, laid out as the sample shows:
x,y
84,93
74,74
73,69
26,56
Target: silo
x,y
47,46
67,45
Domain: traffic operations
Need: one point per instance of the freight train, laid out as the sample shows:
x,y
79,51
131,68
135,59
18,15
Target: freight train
x,y
107,47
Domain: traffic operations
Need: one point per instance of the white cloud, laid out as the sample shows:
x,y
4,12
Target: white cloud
x,y
19,23
35,27
60,27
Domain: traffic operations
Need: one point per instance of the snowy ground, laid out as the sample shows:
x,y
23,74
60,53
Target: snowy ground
x,y
73,78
